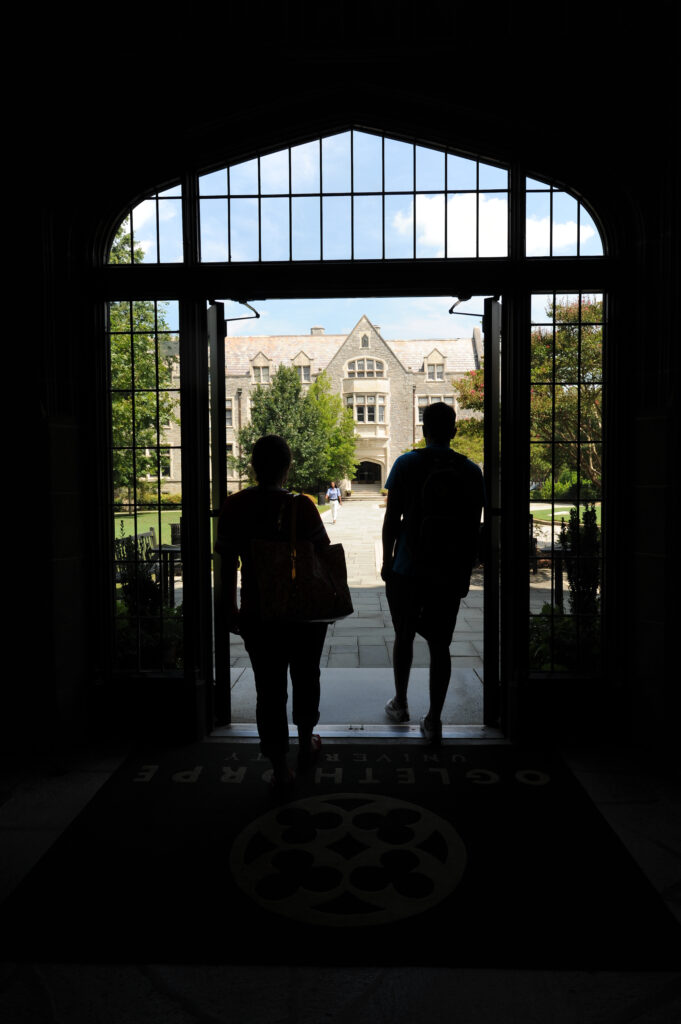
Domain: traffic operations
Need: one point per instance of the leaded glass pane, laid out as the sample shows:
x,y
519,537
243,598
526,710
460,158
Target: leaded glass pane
x,y
399,227
461,173
336,163
399,166
337,227
368,227
461,207
306,228
367,163
214,230
538,224
564,227
430,226
305,168
213,184
461,225
274,179
170,231
144,224
566,452
243,179
146,485
495,178
244,225
430,170
493,224
276,233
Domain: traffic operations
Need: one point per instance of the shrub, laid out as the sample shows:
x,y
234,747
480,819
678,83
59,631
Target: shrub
x,y
564,643
581,547
565,489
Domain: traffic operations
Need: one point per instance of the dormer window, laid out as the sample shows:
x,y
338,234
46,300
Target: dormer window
x,y
261,374
436,371
303,374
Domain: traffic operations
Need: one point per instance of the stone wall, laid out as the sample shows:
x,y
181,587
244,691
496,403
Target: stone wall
x,y
403,382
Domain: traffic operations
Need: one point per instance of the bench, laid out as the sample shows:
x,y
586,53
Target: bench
x,y
140,548
553,554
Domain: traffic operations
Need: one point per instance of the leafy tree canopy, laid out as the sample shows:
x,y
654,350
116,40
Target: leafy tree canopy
x,y
142,407
470,431
318,430
469,440
565,402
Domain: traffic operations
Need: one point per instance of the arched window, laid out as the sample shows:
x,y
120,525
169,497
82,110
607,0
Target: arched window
x,y
359,196
367,214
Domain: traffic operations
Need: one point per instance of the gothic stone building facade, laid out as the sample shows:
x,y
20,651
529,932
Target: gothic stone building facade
x,y
386,383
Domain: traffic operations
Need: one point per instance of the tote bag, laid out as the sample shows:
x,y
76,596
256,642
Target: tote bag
x,y
300,583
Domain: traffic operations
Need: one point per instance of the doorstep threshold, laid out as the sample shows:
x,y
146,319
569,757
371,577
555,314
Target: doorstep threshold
x,y
409,733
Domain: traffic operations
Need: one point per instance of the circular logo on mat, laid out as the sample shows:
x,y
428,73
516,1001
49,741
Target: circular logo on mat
x,y
347,859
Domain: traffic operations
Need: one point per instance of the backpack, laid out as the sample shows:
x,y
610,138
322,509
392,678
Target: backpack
x,y
446,519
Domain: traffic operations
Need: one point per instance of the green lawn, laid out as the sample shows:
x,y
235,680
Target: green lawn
x,y
559,512
145,520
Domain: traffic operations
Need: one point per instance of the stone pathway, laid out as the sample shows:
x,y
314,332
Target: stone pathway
x,y
364,641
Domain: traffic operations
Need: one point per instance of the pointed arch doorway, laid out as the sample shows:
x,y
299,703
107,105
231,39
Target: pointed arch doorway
x,y
432,221
368,475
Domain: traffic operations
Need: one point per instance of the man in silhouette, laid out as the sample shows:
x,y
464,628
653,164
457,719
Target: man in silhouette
x,y
264,512
430,545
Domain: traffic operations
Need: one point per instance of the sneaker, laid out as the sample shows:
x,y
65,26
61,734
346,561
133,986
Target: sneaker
x,y
431,731
397,712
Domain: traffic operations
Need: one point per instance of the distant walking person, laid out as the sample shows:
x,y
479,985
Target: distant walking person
x,y
333,495
264,513
430,546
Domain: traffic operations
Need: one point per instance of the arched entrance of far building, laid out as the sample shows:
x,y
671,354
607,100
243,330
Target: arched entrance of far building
x,y
439,222
369,474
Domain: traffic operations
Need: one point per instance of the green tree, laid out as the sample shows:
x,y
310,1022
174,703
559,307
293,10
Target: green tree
x,y
470,431
566,404
142,407
315,425
335,422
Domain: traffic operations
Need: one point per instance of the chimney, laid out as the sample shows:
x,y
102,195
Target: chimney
x,y
316,330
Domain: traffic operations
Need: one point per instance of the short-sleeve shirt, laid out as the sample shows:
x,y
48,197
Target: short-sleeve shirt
x,y
261,513
404,483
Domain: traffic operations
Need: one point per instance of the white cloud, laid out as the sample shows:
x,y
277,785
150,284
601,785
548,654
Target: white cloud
x,y
461,225
564,235
143,213
492,223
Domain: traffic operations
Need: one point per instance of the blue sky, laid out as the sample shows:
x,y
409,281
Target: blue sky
x,y
398,318
435,205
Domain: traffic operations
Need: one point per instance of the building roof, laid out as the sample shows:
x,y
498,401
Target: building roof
x,y
321,348
461,354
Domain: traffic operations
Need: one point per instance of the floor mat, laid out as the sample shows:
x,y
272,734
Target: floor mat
x,y
462,856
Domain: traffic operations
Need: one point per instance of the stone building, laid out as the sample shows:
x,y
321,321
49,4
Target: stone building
x,y
386,383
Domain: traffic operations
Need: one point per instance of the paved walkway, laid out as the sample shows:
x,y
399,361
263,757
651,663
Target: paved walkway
x,y
363,642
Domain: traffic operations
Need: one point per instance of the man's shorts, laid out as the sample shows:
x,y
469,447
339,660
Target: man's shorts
x,y
422,606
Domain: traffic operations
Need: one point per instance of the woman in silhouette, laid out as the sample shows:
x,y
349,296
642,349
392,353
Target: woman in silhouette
x,y
263,512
